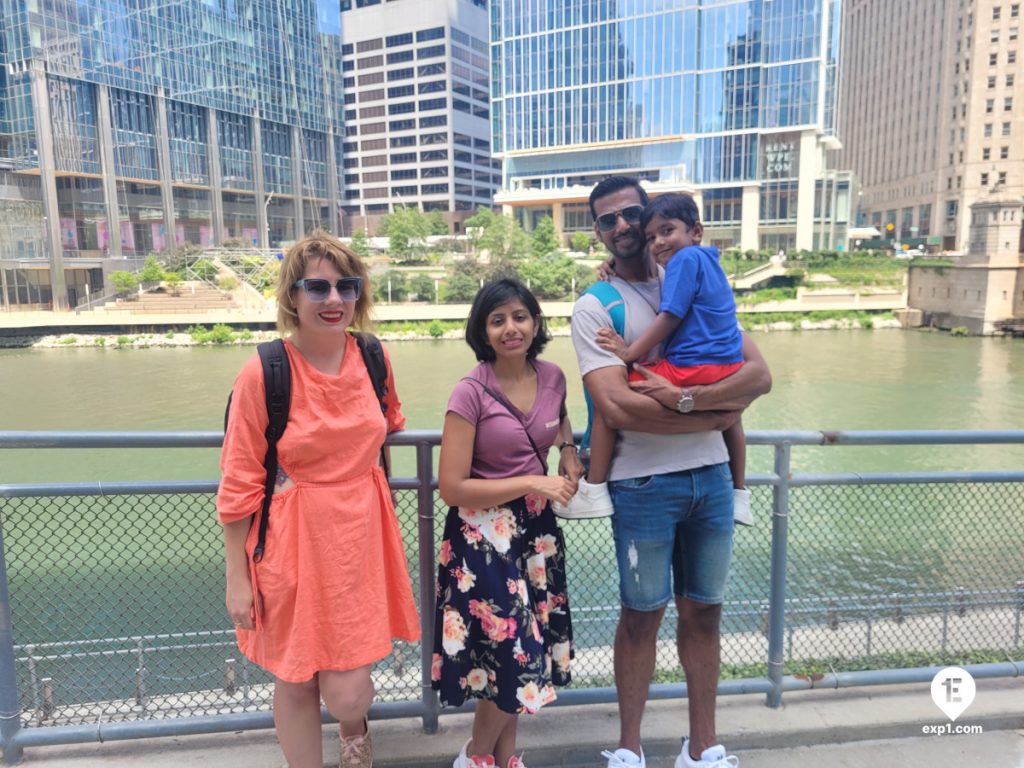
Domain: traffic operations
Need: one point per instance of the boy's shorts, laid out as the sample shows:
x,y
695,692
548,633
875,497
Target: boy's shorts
x,y
681,376
673,535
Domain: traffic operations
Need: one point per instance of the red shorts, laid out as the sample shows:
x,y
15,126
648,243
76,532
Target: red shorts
x,y
681,376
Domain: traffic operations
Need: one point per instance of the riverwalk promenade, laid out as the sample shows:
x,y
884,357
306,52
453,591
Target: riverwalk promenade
x,y
880,726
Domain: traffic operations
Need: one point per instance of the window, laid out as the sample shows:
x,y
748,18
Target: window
x,y
403,157
350,115
435,121
402,125
1011,57
1008,104
370,61
1015,10
401,90
984,179
994,36
375,95
434,189
988,130
403,141
426,70
367,112
432,155
428,104
986,154
438,172
436,33
375,178
992,81
399,74
348,82
1009,81
433,86
405,39
399,56
441,137
403,175
1002,177
372,128
375,160
993,59
1006,129
951,206
990,105
351,178
403,191
369,45
430,52
1014,33
402,108
995,13
1004,153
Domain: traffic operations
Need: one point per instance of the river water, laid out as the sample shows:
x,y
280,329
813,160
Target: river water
x,y
827,380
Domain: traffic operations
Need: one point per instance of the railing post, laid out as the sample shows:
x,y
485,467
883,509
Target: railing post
x,y
777,596
10,708
425,515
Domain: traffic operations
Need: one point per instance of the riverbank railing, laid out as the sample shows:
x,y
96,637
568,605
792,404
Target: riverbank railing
x,y
112,623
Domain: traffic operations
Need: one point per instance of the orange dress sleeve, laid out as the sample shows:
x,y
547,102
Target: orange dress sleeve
x,y
242,475
395,417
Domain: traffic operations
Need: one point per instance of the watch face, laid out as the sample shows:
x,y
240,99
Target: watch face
x,y
685,404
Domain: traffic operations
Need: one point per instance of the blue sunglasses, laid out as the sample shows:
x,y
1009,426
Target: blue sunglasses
x,y
318,289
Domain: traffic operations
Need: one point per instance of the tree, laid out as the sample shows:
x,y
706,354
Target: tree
x,y
438,226
550,277
360,244
125,282
151,272
399,286
464,281
544,240
173,282
500,236
580,241
423,286
407,230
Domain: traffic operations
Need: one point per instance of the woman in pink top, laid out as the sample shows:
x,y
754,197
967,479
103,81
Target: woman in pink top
x,y
332,588
503,633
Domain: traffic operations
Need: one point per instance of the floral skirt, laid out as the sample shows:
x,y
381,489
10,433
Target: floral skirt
x,y
502,628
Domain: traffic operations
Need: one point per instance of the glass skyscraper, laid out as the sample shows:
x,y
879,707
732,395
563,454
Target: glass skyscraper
x,y
733,101
131,127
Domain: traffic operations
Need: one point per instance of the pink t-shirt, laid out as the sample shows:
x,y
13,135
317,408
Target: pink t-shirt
x,y
501,448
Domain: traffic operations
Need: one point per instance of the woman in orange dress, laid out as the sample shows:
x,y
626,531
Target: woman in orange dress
x,y
332,588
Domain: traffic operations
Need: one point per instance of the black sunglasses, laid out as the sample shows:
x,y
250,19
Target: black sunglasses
x,y
606,221
318,289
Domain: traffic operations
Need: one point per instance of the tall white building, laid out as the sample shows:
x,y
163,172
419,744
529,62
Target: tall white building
x,y
417,110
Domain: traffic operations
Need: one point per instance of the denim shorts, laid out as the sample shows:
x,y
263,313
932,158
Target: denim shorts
x,y
678,524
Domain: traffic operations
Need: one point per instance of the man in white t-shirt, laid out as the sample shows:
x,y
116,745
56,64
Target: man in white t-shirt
x,y
670,486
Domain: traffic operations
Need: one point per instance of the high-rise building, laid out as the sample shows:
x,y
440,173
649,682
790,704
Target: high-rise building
x,y
130,127
733,101
417,111
932,113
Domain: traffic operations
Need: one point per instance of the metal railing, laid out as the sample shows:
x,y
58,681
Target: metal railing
x,y
111,593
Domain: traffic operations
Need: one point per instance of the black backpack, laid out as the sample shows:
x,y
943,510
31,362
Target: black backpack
x,y
277,381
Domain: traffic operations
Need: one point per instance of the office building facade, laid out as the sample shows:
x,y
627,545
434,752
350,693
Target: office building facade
x,y
932,114
417,110
733,101
130,128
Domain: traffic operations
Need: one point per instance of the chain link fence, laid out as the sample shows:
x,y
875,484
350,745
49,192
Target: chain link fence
x,y
117,600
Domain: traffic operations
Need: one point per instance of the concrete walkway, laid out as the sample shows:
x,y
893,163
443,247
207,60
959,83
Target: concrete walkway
x,y
880,726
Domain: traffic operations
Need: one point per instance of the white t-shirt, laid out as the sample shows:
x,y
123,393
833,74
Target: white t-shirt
x,y
639,454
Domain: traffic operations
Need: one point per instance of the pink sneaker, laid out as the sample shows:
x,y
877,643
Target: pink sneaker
x,y
357,751
516,762
472,761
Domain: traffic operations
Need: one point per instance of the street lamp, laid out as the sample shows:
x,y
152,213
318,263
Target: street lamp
x,y
266,220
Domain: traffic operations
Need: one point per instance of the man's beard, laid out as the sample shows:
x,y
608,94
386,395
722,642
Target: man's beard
x,y
632,246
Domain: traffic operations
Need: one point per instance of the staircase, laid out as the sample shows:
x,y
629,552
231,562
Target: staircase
x,y
193,296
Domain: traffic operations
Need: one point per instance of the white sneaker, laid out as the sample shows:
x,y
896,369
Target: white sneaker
x,y
712,757
624,758
591,500
742,512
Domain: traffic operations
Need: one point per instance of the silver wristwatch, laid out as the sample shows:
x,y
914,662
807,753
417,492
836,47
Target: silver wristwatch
x,y
685,404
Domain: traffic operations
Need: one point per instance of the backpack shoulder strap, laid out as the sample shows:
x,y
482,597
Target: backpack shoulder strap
x,y
277,385
613,303
615,306
373,358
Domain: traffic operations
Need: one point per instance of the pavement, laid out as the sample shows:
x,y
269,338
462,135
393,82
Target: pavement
x,y
870,726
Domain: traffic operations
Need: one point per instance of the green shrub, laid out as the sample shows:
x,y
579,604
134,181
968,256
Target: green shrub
x,y
69,340
580,241
101,341
204,269
124,281
227,283
124,341
173,281
960,330
435,329
169,335
151,271
221,334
